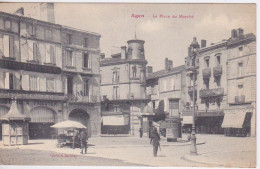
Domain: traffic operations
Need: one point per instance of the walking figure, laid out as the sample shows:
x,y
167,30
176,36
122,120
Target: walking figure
x,y
155,139
83,141
141,132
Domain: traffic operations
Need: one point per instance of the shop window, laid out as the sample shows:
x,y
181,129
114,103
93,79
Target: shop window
x,y
86,87
85,60
50,85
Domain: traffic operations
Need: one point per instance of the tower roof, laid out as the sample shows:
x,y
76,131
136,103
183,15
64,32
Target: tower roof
x,y
135,40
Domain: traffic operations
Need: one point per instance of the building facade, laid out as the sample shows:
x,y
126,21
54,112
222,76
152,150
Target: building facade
x,y
123,89
33,70
223,69
168,86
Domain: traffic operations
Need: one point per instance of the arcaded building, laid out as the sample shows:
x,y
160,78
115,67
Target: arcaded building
x,y
53,78
123,89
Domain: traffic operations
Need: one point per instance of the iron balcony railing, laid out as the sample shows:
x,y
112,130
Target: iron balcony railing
x,y
217,71
206,73
211,92
81,98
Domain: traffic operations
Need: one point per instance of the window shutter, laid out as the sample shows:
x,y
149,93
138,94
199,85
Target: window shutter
x,y
30,50
7,74
6,45
25,82
47,58
11,46
35,51
52,54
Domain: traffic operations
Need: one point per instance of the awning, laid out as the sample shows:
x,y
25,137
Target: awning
x,y
187,120
234,118
115,120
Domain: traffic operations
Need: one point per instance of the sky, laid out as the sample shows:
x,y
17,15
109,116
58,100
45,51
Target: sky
x,y
164,37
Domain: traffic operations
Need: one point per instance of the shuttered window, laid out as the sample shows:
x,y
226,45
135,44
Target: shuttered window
x,y
174,107
33,85
8,45
52,54
50,85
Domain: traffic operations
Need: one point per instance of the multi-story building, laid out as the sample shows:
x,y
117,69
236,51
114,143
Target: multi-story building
x,y
240,117
33,70
168,86
218,81
123,89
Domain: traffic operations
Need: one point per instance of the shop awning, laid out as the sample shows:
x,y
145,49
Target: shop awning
x,y
187,120
115,120
234,118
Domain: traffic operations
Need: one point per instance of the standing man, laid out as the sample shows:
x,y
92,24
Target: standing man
x,y
74,138
83,141
155,139
141,132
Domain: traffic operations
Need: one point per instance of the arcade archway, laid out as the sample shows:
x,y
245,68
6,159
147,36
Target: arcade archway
x,y
79,115
42,118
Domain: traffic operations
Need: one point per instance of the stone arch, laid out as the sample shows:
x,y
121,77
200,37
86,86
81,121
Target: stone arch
x,y
81,116
42,114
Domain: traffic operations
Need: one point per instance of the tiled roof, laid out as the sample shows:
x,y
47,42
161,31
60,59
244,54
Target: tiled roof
x,y
162,73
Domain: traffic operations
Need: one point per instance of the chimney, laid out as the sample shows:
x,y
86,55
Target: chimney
x,y
149,70
47,12
189,51
170,65
166,64
102,56
203,43
233,33
240,32
123,52
19,11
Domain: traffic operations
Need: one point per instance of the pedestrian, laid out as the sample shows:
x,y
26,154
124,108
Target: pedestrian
x,y
83,141
141,132
155,140
74,137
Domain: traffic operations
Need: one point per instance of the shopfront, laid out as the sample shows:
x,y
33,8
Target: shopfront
x,y
115,124
209,122
237,122
3,111
41,120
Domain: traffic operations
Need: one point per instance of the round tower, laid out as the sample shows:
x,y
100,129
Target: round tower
x,y
136,49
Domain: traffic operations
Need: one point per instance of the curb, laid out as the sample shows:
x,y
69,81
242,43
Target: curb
x,y
146,145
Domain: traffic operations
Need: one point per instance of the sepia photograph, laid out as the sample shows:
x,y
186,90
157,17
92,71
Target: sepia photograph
x,y
128,84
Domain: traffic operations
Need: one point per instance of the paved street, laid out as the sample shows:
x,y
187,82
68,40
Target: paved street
x,y
218,151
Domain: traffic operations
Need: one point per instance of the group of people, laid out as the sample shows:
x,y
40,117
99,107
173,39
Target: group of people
x,y
83,137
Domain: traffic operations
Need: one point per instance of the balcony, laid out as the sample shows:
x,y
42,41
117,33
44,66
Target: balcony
x,y
217,71
10,64
32,95
204,93
206,73
82,99
240,99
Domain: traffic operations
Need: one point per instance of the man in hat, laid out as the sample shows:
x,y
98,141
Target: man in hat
x,y
83,141
155,139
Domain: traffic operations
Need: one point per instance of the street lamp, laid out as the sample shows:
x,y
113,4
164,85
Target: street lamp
x,y
194,46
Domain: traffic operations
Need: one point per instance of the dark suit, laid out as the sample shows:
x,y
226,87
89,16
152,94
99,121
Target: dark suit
x,y
83,141
155,139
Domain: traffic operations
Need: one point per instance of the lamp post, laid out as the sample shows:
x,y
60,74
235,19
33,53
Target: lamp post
x,y
194,46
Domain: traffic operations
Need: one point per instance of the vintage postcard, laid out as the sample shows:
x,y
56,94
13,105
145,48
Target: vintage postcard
x,y
128,84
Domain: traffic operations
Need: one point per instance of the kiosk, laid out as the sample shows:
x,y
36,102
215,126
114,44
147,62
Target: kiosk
x,y
15,127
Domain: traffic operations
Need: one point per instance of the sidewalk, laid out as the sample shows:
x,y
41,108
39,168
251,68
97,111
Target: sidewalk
x,y
213,150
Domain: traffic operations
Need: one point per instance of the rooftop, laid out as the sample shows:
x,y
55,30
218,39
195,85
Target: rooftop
x,y
163,73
